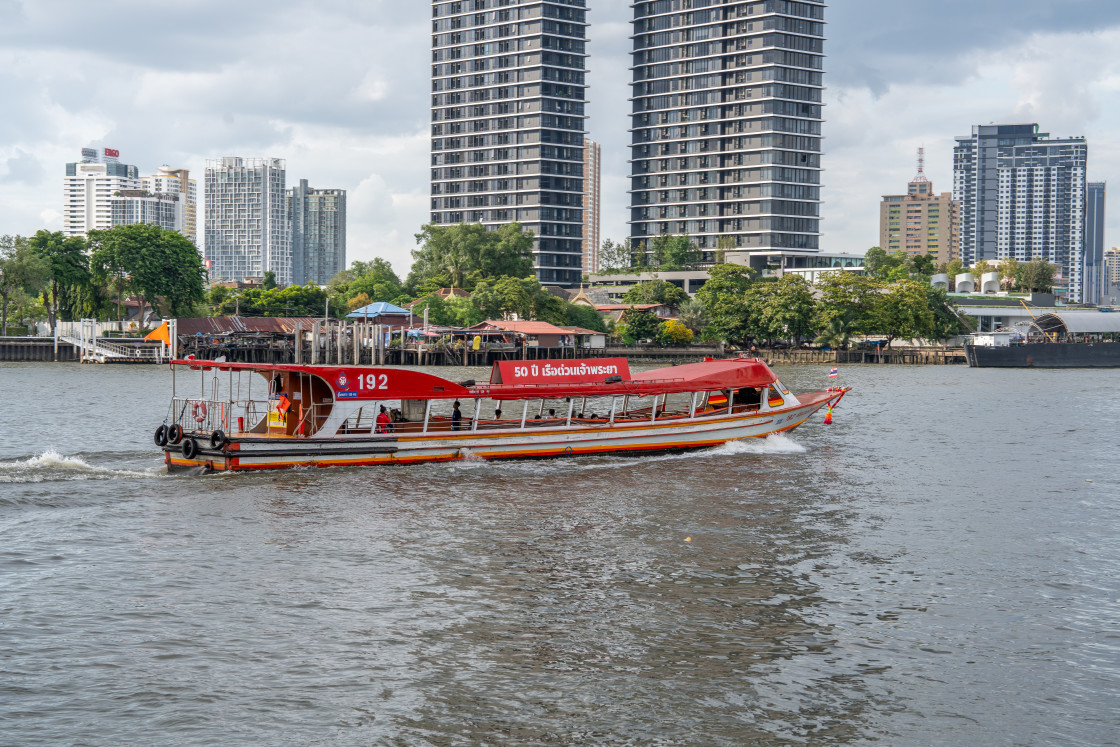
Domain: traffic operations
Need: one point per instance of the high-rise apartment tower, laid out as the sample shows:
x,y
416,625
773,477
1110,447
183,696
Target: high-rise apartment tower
x,y
89,188
508,90
169,181
318,220
1023,195
247,232
592,204
726,134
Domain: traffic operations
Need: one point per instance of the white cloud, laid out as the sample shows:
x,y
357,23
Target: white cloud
x,y
340,89
872,139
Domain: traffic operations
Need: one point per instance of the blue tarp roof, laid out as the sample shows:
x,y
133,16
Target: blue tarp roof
x,y
377,309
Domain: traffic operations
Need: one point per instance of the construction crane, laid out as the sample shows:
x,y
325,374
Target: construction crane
x,y
1049,336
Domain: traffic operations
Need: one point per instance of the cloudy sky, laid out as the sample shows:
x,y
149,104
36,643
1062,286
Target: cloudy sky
x,y
339,88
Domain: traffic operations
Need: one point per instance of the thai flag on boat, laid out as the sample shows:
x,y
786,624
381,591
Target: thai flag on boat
x,y
834,372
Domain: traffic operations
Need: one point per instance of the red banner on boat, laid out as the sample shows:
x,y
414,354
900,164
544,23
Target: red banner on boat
x,y
591,371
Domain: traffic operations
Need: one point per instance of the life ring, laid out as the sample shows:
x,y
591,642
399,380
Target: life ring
x,y
218,439
161,436
190,448
198,410
174,434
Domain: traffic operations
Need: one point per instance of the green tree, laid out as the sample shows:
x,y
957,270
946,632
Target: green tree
x,y
954,268
163,267
67,271
876,262
22,273
923,266
1009,273
724,297
269,281
692,315
295,300
946,322
614,256
903,311
584,316
457,251
656,291
376,279
980,269
1037,276
837,334
848,297
673,252
790,308
640,325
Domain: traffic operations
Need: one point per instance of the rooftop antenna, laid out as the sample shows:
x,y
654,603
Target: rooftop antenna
x,y
921,177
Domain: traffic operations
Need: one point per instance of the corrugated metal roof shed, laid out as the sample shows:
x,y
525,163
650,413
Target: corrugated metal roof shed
x,y
224,325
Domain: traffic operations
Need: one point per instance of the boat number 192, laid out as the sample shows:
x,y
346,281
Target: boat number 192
x,y
373,381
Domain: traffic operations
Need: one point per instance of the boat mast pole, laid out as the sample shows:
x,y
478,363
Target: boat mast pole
x,y
692,406
571,406
614,403
524,414
477,407
427,411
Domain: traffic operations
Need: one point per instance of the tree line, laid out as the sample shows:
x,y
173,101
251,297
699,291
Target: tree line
x,y
494,267
52,277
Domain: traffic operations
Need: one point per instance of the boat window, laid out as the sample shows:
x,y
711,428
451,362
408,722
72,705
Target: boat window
x,y
775,397
747,398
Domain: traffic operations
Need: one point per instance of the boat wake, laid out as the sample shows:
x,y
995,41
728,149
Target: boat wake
x,y
777,443
50,466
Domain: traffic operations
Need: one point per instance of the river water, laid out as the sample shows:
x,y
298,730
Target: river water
x,y
940,566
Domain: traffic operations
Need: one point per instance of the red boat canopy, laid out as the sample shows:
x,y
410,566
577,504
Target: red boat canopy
x,y
714,375
379,383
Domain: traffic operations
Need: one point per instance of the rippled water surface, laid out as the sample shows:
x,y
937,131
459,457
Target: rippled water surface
x,y
940,566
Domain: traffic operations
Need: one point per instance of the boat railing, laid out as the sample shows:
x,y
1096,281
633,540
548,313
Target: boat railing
x,y
195,414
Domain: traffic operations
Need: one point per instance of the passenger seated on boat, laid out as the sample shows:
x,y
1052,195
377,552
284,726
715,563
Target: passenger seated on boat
x,y
551,413
498,414
456,416
384,424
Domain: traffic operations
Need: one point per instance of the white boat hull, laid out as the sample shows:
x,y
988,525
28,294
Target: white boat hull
x,y
531,443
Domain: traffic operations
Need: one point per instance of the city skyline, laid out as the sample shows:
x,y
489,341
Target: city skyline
x,y
366,129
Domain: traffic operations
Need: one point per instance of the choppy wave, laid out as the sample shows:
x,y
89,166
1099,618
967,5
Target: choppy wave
x,y
51,466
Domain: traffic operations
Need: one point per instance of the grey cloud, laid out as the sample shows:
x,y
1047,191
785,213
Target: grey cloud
x,y
874,44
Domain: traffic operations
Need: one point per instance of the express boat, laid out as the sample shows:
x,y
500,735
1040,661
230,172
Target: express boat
x,y
245,416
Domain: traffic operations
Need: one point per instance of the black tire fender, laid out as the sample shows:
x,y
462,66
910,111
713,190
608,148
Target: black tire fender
x,y
218,439
190,448
161,436
174,434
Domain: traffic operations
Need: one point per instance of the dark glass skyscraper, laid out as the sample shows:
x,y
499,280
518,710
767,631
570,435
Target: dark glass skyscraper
x,y
508,96
726,135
